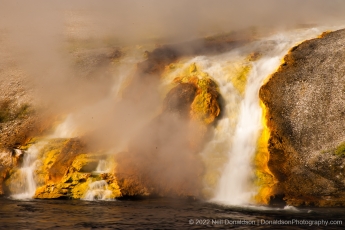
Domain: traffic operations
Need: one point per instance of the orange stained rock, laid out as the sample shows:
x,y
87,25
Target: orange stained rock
x,y
265,178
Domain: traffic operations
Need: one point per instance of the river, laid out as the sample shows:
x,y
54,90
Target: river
x,y
159,213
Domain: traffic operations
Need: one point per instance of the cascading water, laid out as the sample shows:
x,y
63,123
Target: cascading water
x,y
102,166
26,184
98,190
236,184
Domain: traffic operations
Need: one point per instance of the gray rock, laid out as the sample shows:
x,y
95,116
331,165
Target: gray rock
x,y
306,110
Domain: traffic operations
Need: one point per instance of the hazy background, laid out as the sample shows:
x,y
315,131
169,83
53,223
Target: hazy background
x,y
138,19
37,30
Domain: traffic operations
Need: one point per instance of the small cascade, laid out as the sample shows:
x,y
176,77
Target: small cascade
x,y
25,183
98,190
102,167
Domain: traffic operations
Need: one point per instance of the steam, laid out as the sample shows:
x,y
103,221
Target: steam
x,y
39,32
58,45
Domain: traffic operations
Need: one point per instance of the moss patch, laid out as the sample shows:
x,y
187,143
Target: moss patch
x,y
340,150
10,111
5,111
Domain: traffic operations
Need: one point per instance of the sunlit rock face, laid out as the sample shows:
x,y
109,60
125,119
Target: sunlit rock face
x,y
306,106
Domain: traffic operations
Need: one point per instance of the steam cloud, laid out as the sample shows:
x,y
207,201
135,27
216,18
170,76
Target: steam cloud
x,y
38,30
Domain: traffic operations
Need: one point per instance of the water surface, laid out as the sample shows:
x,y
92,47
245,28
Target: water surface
x,y
154,214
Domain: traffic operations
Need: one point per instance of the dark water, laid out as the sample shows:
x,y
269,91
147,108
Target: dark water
x,y
155,214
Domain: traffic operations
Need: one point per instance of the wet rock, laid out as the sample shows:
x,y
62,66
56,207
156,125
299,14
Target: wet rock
x,y
63,170
205,106
70,150
66,171
180,99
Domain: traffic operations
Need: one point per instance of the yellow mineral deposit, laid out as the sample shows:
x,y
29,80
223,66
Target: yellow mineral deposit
x,y
265,179
205,107
238,73
76,177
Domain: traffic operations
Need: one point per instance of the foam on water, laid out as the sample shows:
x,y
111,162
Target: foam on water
x,y
291,208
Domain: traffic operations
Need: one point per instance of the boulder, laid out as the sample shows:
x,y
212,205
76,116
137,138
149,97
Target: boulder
x,y
305,101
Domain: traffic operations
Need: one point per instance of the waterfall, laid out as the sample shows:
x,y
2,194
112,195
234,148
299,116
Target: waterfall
x,y
229,156
98,190
26,184
236,184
